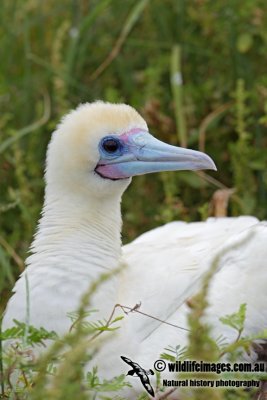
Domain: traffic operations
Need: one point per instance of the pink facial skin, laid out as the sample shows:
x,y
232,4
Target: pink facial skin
x,y
110,172
117,171
125,136
138,152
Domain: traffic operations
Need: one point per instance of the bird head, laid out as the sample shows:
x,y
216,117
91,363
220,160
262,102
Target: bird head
x,y
103,145
130,373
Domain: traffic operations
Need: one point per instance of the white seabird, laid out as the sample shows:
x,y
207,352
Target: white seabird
x,y
91,158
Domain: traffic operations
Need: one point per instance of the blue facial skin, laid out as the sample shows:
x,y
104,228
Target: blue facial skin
x,y
137,152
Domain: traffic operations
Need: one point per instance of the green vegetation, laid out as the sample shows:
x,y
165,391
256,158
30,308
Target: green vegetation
x,y
196,70
58,374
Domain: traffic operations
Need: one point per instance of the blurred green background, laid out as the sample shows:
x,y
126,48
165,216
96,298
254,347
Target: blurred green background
x,y
196,70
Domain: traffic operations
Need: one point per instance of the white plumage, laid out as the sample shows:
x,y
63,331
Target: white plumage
x,y
78,238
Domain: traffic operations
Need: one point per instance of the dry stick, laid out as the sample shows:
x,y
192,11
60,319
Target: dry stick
x,y
131,20
262,393
8,376
207,121
12,253
201,145
30,128
134,309
150,316
218,184
211,180
167,394
25,379
177,89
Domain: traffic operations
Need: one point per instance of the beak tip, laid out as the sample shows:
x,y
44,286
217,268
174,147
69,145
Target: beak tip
x,y
214,168
210,163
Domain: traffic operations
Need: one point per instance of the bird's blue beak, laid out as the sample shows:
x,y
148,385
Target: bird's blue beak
x,y
137,152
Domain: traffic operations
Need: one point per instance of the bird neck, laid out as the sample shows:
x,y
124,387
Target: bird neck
x,y
79,233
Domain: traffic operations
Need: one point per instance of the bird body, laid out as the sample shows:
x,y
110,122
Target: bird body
x,y
141,373
172,261
91,158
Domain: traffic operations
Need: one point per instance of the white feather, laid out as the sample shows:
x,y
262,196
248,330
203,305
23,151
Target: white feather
x,y
78,238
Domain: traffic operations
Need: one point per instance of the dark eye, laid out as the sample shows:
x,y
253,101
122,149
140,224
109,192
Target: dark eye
x,y
111,145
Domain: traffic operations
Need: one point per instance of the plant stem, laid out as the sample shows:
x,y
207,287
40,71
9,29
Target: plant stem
x,y
177,90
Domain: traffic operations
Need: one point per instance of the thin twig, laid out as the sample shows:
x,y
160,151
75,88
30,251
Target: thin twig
x,y
151,316
134,309
131,20
12,253
177,89
30,128
167,394
25,379
211,180
207,121
218,184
